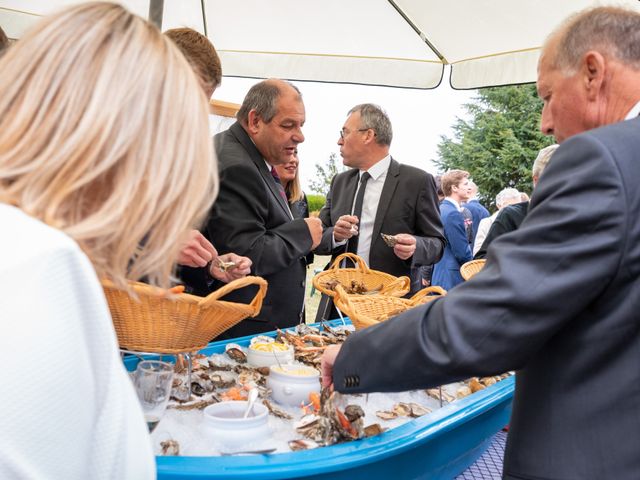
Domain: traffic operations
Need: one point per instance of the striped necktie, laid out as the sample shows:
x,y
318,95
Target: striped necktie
x,y
279,186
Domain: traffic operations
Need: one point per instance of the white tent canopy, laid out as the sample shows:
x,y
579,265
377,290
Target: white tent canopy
x,y
402,43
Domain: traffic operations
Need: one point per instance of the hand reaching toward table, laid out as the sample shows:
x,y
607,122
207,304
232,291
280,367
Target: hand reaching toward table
x,y
328,359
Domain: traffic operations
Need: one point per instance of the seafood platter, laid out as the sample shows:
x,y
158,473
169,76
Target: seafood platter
x,y
298,430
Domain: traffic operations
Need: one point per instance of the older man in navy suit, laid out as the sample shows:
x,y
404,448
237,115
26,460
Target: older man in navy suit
x,y
558,298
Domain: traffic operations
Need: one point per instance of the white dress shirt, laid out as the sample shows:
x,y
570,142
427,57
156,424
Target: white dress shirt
x,y
458,207
483,229
634,112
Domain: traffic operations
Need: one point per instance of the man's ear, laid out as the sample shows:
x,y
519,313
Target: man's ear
x,y
253,122
593,73
370,136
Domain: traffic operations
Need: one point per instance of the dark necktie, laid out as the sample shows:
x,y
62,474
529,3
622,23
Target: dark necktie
x,y
352,245
279,186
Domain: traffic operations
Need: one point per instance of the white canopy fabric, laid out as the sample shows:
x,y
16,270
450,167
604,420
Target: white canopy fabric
x,y
401,43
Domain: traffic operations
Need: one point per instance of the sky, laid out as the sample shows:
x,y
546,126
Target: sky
x,y
418,117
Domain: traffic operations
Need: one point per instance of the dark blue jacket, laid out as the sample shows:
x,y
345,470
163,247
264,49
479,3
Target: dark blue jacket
x,y
446,273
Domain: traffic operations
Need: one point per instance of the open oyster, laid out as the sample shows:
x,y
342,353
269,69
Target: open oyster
x,y
390,240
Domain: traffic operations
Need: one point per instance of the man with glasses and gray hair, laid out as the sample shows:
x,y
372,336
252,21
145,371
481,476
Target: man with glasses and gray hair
x,y
378,196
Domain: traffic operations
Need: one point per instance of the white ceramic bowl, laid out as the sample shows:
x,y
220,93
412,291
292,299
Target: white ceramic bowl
x,y
292,384
223,422
259,358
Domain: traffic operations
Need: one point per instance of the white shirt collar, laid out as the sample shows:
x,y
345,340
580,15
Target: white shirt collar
x,y
454,202
634,112
379,168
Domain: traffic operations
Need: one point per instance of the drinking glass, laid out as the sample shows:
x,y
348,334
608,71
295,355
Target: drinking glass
x,y
152,381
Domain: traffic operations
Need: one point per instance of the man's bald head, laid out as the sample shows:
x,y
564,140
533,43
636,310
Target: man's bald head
x,y
612,31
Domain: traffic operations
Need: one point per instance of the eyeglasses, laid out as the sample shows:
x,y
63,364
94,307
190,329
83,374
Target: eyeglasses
x,y
344,132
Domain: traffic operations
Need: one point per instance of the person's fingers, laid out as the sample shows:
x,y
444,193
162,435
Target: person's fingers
x,y
327,377
326,364
405,239
199,260
404,251
191,258
207,247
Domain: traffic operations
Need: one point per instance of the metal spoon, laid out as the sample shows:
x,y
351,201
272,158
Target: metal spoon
x,y
249,452
253,396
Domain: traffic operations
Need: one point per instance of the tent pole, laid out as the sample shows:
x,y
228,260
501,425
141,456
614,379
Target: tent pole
x,y
204,18
417,30
156,10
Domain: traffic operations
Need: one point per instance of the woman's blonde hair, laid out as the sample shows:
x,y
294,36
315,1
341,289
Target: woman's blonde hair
x,y
293,189
104,135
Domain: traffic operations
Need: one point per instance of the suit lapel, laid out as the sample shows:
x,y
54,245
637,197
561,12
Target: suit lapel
x,y
389,188
257,158
351,187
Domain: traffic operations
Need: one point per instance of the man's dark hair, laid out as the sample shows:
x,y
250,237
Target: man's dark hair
x,y
262,98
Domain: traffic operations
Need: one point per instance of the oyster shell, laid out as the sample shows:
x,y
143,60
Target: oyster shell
x,y
373,430
384,415
302,444
418,410
226,266
235,353
390,240
170,448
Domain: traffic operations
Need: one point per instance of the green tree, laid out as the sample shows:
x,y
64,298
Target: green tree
x,y
315,202
500,141
324,174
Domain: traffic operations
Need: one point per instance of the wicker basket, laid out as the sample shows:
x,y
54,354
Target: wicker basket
x,y
367,310
427,295
379,282
469,269
162,323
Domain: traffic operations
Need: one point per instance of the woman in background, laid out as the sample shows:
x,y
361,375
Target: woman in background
x,y
290,180
105,160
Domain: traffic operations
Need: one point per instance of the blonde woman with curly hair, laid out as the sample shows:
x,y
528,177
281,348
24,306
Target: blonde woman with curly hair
x,y
105,162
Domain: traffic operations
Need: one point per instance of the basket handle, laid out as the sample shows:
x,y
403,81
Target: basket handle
x,y
341,299
400,285
426,291
357,261
256,303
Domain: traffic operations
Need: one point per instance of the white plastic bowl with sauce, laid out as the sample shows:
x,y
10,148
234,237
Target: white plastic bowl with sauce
x,y
224,423
292,384
263,354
